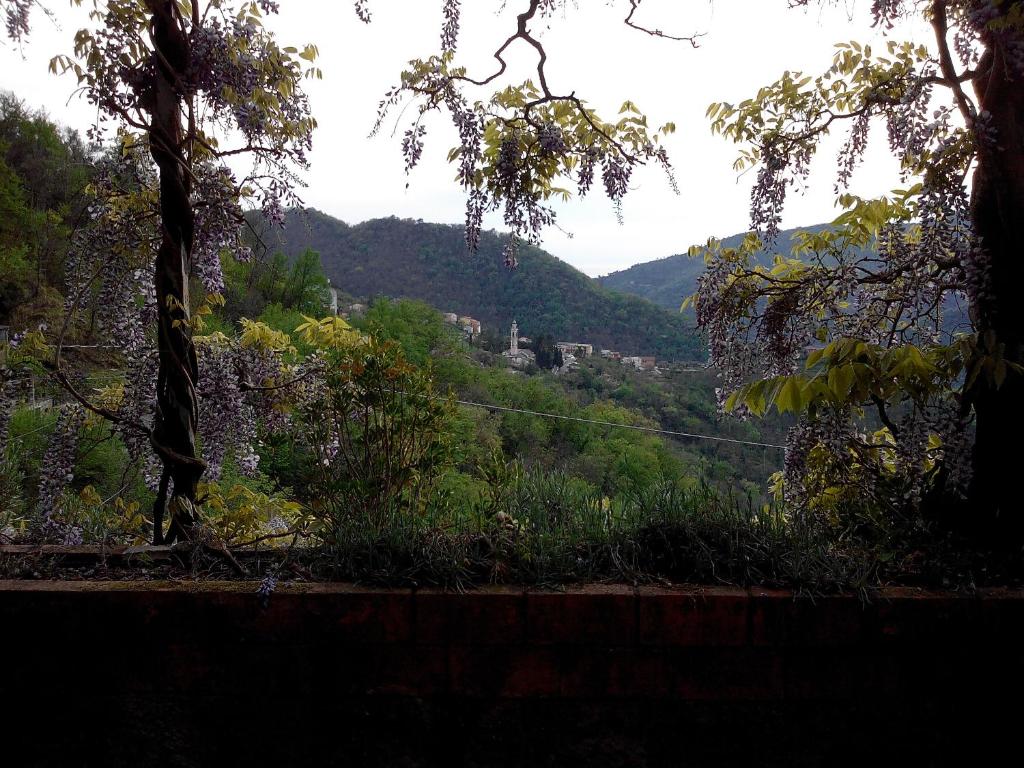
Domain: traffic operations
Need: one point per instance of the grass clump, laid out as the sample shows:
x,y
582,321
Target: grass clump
x,y
545,529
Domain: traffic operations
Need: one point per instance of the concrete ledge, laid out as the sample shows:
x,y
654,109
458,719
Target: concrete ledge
x,y
697,642
610,653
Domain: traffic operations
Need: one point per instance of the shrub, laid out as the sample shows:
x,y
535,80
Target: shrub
x,y
380,435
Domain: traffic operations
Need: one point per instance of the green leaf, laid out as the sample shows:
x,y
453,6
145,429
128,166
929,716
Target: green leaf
x,y
840,381
755,399
730,403
790,397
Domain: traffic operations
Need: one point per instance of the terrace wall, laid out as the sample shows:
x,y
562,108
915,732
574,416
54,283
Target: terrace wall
x,y
198,673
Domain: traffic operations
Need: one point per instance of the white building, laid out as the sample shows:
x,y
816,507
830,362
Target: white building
x,y
575,348
519,358
640,362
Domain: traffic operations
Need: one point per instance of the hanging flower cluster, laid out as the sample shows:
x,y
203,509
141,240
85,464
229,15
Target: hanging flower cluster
x,y
249,386
853,318
55,474
860,316
16,17
176,80
518,147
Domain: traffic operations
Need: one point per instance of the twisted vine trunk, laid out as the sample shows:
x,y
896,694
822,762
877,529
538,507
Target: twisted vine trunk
x,y
997,212
174,433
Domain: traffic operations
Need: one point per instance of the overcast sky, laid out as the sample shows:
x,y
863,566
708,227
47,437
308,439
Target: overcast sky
x,y
748,43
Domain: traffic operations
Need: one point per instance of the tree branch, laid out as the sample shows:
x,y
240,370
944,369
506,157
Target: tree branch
x,y
628,21
940,24
884,415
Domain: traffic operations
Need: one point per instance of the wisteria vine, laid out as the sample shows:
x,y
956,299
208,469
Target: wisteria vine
x,y
518,146
172,79
890,275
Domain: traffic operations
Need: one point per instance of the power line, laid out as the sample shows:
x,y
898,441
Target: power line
x,y
654,430
23,435
596,422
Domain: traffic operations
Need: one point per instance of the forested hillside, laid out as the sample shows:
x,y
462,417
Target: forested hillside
x,y
43,172
668,281
611,461
429,262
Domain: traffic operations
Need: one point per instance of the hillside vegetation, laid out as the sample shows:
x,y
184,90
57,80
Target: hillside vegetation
x,y
532,477
668,281
606,460
403,258
43,173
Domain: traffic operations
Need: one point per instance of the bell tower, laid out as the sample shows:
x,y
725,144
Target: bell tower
x,y
514,348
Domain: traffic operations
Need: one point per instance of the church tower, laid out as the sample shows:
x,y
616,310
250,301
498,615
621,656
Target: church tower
x,y
514,349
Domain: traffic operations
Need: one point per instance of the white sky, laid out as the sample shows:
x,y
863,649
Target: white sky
x,y
749,43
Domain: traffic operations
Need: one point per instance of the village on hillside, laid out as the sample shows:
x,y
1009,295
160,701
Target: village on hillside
x,y
520,355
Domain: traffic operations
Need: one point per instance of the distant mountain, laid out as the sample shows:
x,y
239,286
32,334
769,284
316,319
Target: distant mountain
x,y
668,281
411,259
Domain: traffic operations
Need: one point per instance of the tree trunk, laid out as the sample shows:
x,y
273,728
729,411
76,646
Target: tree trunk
x,y
174,434
997,212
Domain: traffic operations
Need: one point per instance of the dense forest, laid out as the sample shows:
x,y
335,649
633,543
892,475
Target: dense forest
x,y
43,173
610,460
411,259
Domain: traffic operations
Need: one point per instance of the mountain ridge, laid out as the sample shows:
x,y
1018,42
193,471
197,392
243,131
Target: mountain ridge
x,y
406,258
669,280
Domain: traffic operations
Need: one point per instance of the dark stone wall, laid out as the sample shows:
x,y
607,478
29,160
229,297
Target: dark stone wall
x,y
199,674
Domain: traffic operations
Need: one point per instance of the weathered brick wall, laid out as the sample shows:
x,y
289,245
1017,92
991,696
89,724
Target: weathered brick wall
x,y
135,673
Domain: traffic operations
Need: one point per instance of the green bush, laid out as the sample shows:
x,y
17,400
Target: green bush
x,y
380,435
